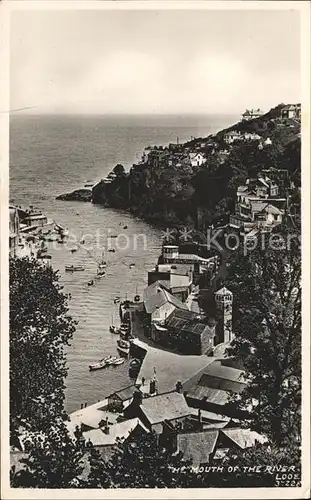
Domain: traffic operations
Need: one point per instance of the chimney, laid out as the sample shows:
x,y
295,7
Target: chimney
x,y
137,398
179,387
199,416
106,426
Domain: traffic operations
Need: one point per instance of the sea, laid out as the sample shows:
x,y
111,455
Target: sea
x,y
51,155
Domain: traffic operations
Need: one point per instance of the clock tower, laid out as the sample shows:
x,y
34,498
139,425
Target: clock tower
x,y
224,299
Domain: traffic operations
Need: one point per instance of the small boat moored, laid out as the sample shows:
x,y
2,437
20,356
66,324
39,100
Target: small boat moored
x,y
100,364
90,283
114,329
74,268
118,361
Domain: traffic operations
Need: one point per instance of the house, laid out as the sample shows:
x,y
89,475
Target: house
x,y
172,255
210,389
198,447
250,114
159,303
187,332
105,439
233,136
178,283
267,142
153,411
250,136
118,400
202,447
291,111
36,219
197,159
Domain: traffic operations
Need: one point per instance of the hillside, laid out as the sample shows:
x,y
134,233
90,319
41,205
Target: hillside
x,y
170,187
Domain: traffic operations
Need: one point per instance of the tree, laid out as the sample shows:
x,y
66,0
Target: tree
x,y
265,283
40,328
255,467
119,169
55,459
141,463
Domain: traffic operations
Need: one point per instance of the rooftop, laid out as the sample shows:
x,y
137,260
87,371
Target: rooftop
x,y
215,396
197,446
91,416
244,438
155,296
125,393
165,406
119,430
170,367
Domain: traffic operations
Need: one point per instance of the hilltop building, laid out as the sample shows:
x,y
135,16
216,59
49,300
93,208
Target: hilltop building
x,y
258,205
291,111
250,114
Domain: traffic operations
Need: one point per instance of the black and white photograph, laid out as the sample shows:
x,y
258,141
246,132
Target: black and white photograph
x,y
155,284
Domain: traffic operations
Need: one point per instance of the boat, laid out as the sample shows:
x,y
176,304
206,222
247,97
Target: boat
x,y
116,300
124,227
134,367
111,250
74,268
124,351
112,360
132,264
73,250
100,364
113,236
123,343
101,272
114,329
90,283
118,361
135,363
102,264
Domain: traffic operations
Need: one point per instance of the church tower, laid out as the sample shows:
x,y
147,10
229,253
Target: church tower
x,y
224,299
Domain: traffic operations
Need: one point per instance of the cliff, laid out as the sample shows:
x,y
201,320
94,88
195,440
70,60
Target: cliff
x,y
77,195
195,183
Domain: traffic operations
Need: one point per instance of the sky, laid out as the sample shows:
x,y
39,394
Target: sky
x,y
161,62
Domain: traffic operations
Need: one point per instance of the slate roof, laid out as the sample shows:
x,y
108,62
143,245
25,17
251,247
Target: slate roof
x,y
181,367
217,369
263,206
215,396
155,296
215,382
118,430
91,416
197,446
244,438
167,406
125,393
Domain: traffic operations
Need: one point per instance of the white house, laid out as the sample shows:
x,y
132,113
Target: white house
x,y
233,136
159,303
197,159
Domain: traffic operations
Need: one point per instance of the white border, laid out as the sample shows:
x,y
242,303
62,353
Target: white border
x,y
6,7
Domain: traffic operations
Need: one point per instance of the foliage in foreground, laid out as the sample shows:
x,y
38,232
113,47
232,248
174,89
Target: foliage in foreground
x,y
266,285
40,329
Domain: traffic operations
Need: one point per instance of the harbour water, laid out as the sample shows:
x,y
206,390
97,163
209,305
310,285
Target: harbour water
x,y
51,155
